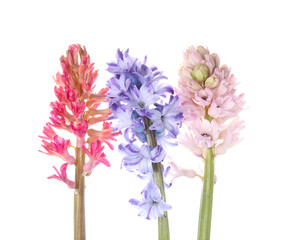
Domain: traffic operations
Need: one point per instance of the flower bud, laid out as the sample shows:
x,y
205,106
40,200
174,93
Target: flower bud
x,y
202,51
226,70
216,59
212,81
199,73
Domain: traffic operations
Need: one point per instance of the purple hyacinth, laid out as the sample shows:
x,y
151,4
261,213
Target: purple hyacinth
x,y
138,94
140,159
152,204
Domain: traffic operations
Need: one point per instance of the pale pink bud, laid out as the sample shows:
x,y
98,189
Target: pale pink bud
x,y
212,81
216,59
191,57
210,63
202,51
186,80
226,71
200,72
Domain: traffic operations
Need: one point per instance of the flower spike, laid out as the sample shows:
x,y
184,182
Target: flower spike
x,y
148,117
210,106
75,111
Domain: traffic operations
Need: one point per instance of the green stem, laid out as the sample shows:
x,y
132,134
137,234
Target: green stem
x,y
163,225
79,197
207,197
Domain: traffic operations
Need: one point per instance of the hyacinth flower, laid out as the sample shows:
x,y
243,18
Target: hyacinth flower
x,y
148,117
210,105
77,112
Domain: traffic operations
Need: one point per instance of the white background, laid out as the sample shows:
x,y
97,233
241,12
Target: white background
x,y
251,198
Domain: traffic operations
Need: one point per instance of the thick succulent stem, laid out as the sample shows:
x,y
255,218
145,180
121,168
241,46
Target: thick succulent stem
x,y
207,197
79,197
163,225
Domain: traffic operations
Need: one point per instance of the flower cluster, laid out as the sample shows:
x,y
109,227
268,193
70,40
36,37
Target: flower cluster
x,y
144,105
209,102
75,111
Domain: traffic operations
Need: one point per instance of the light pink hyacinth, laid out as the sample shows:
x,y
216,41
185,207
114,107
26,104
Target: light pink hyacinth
x,y
209,101
203,97
206,133
177,171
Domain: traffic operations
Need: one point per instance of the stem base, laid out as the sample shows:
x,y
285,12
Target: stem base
x,y
79,197
206,197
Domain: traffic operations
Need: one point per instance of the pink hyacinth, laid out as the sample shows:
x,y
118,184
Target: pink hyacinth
x,y
58,147
48,132
208,98
188,142
230,136
177,171
77,111
203,97
210,103
80,131
96,156
103,136
62,176
206,133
